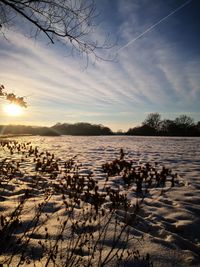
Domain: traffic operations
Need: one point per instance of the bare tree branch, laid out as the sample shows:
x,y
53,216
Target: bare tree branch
x,y
65,21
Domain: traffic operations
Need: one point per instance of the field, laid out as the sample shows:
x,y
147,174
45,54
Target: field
x,y
100,201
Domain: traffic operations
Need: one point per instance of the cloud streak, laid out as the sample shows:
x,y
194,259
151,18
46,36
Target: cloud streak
x,y
154,25
154,75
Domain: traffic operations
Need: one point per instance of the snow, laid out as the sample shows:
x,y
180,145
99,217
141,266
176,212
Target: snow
x,y
168,223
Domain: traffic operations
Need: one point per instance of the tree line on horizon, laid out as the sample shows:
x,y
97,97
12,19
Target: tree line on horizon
x,y
183,125
80,128
151,126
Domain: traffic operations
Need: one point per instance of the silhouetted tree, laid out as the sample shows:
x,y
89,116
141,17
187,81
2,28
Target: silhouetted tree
x,y
181,126
144,130
167,127
184,121
153,121
184,125
12,98
81,128
198,125
66,21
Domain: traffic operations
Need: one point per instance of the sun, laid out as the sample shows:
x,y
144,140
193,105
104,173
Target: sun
x,y
12,110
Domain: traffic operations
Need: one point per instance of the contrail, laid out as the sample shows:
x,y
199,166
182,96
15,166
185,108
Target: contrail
x,y
154,25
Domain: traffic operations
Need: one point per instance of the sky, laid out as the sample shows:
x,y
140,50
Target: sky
x,y
155,68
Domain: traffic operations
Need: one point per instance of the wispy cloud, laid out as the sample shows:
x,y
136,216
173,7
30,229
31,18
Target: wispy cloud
x,y
151,73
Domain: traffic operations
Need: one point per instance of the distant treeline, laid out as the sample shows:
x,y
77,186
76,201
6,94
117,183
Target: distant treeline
x,y
58,129
81,128
152,126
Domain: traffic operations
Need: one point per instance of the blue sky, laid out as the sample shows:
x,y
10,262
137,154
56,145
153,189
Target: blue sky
x,y
158,72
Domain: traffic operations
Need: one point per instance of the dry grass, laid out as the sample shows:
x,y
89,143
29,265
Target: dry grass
x,y
84,229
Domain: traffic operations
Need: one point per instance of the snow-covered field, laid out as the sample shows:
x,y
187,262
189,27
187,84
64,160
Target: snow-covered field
x,y
169,222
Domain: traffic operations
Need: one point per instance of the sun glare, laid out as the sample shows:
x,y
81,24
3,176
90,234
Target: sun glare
x,y
12,110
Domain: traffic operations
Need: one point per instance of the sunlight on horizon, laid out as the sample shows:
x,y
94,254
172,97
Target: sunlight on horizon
x,y
12,110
